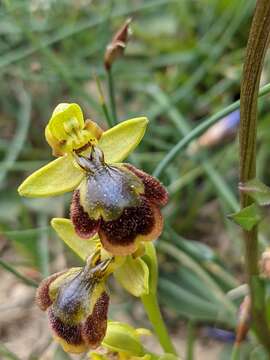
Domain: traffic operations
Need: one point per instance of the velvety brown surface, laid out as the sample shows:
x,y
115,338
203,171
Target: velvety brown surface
x,y
84,226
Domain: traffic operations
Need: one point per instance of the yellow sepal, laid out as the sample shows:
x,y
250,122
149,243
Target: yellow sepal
x,y
133,275
56,178
65,230
118,142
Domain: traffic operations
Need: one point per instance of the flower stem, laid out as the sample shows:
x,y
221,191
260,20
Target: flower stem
x,y
103,102
152,309
256,49
191,337
235,355
20,276
112,96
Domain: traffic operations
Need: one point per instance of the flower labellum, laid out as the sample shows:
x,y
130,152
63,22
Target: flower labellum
x,y
119,202
77,304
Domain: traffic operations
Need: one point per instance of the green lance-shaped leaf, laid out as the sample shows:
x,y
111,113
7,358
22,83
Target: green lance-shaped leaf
x,y
65,230
258,191
133,275
248,217
55,178
118,142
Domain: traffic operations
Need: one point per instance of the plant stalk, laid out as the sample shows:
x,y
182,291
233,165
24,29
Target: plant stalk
x,y
152,309
112,96
191,337
256,48
150,301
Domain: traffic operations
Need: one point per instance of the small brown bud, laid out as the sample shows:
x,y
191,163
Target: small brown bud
x,y
116,47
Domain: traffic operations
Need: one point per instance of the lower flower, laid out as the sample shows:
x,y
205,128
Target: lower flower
x,y
77,303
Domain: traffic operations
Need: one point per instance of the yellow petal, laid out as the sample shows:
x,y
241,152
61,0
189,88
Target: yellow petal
x,y
118,142
82,247
133,275
55,178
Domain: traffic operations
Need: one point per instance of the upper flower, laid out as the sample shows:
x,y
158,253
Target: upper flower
x,y
68,134
116,200
77,304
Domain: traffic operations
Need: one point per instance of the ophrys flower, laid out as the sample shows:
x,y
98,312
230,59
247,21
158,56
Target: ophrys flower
x,y
116,200
77,303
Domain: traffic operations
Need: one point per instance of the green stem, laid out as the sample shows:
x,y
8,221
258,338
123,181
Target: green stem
x,y
235,352
153,312
20,276
150,301
112,96
191,337
255,54
198,130
103,102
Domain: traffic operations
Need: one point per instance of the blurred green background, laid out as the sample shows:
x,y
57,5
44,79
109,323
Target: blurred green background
x,y
182,64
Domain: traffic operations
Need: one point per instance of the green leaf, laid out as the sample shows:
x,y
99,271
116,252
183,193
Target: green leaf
x,y
118,142
55,178
258,191
190,306
133,275
248,217
82,247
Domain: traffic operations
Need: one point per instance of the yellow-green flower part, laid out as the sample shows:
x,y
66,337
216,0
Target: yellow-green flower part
x,y
67,131
130,272
123,341
68,134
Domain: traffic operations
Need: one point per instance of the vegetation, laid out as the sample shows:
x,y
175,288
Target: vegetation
x,y
181,69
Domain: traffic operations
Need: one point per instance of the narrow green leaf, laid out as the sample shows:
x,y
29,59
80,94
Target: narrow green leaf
x,y
248,217
257,190
55,178
118,142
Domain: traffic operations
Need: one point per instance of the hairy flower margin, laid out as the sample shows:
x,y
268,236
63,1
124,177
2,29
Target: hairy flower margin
x,y
116,200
